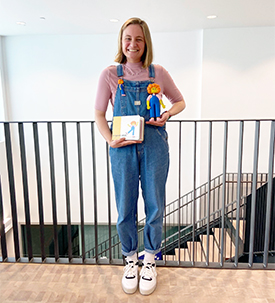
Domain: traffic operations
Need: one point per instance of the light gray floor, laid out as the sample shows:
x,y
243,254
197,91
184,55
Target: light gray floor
x,y
97,284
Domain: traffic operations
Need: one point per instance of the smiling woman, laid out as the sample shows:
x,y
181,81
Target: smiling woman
x,y
135,162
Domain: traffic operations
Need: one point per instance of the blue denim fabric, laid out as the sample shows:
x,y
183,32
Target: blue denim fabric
x,y
146,163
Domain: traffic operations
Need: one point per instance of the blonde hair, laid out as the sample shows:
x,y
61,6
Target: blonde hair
x,y
147,57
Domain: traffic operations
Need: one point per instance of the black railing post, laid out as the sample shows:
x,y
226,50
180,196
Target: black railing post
x,y
179,196
239,193
165,231
109,204
95,190
25,188
254,188
2,228
39,189
224,190
194,193
209,190
12,190
81,199
53,190
67,190
269,194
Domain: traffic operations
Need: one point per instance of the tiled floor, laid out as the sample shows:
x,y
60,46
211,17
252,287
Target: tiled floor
x,y
97,284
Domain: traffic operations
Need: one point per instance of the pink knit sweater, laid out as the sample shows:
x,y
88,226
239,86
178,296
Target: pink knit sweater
x,y
108,82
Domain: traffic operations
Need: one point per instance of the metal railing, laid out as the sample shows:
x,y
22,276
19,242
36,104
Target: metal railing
x,y
184,234
58,173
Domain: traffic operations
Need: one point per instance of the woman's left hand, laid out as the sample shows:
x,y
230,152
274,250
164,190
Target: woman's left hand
x,y
160,121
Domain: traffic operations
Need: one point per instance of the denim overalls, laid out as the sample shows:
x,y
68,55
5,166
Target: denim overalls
x,y
148,162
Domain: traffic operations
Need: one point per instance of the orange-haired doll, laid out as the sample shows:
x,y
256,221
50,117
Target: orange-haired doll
x,y
153,100
121,87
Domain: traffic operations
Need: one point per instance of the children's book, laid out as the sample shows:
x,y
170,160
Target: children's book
x,y
128,127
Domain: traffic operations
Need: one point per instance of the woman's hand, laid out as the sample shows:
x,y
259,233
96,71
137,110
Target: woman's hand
x,y
160,121
174,110
122,142
104,129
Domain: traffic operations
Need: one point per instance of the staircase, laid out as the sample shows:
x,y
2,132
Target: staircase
x,y
200,247
188,242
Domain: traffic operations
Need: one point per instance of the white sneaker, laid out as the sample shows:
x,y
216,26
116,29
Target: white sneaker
x,y
148,279
130,277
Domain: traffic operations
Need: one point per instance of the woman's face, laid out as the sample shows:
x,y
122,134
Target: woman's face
x,y
133,43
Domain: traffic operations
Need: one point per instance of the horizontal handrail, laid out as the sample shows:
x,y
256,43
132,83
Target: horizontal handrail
x,y
170,121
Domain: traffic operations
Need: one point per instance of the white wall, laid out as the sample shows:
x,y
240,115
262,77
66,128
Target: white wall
x,y
3,109
181,55
238,73
222,74
238,76
55,77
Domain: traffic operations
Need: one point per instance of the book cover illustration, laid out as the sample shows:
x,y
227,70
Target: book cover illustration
x,y
128,127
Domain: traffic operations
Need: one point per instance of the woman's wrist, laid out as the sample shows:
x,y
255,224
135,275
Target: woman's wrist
x,y
167,112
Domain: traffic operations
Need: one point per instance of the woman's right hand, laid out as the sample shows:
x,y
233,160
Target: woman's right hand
x,y
104,129
122,142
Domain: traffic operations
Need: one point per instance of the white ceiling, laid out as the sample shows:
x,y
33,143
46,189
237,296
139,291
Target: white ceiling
x,y
92,16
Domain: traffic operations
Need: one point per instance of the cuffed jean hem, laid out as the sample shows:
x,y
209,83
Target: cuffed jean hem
x,y
129,254
153,252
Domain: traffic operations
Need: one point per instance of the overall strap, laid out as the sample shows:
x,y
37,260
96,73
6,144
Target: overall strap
x,y
119,70
151,71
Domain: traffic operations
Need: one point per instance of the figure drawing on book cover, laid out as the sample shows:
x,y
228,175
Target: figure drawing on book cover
x,y
128,127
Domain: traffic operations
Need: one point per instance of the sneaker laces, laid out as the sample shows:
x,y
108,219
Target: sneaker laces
x,y
130,270
148,271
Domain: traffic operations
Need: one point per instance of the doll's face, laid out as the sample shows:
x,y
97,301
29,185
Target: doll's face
x,y
154,90
133,43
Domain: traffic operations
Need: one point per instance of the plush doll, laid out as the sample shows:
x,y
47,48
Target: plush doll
x,y
154,100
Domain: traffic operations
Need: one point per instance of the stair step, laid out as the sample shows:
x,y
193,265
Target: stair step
x,y
199,254
184,254
241,228
229,246
214,247
170,258
214,252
